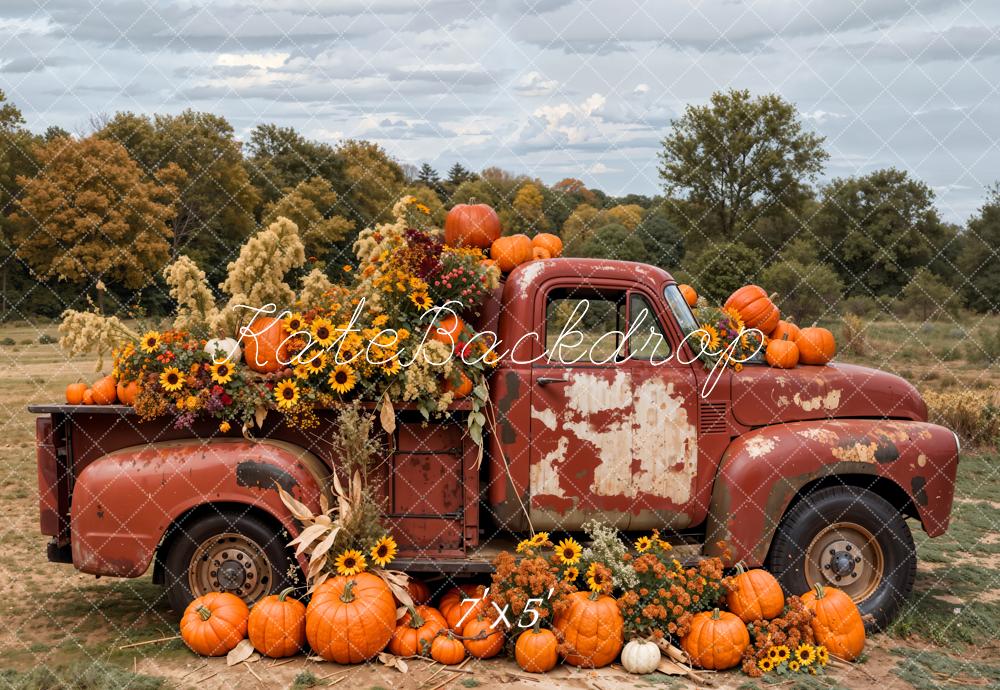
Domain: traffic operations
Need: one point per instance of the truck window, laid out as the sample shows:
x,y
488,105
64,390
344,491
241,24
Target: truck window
x,y
680,308
648,340
591,315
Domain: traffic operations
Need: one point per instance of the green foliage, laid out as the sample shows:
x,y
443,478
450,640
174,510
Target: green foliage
x,y
927,297
719,268
83,675
984,348
280,158
373,182
978,261
805,291
613,241
305,679
662,239
310,206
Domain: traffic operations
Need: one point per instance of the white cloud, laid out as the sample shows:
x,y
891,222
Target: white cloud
x,y
535,84
259,60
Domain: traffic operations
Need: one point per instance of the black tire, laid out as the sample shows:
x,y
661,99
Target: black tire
x,y
273,566
814,514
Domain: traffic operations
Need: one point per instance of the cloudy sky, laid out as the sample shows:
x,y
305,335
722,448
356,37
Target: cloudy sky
x,y
553,88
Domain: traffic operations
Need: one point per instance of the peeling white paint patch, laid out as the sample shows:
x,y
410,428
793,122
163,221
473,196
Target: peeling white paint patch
x,y
759,445
546,417
820,435
529,274
783,400
859,452
589,394
544,474
662,438
921,460
831,401
613,474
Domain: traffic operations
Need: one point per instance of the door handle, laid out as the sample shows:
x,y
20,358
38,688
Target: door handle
x,y
546,380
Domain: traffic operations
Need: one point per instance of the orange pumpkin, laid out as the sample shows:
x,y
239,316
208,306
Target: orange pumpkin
x,y
448,330
74,393
510,252
549,242
755,595
536,650
755,308
103,391
471,225
690,296
785,327
277,625
265,349
816,345
461,604
540,253
350,619
591,628
461,390
836,621
88,397
416,631
717,640
447,649
483,640
419,591
782,354
214,623
127,390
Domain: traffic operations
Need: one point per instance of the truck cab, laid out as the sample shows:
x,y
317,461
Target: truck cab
x,y
608,415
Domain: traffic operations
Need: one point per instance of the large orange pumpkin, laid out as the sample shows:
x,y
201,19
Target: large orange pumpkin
x,y
482,639
416,631
458,608
471,225
755,595
717,640
104,391
755,308
816,345
510,252
591,628
549,242
74,393
689,294
537,650
836,621
214,623
265,349
783,354
277,625
350,619
540,254
784,328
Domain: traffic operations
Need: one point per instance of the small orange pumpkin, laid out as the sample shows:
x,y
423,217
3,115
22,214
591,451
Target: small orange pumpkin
x,y
816,345
536,650
350,619
471,225
549,242
103,391
74,393
717,640
540,253
510,252
461,604
127,390
755,308
461,390
447,649
88,397
419,591
785,327
592,629
265,349
447,330
482,639
277,625
782,354
416,631
755,595
690,296
215,623
836,621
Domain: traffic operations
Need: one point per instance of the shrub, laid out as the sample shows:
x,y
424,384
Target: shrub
x,y
985,348
720,268
805,291
46,339
853,336
860,305
973,415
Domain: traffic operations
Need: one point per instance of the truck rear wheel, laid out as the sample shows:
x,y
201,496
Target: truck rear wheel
x,y
851,539
226,552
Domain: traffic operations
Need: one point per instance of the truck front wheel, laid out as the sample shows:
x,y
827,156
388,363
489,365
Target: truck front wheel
x,y
226,552
851,539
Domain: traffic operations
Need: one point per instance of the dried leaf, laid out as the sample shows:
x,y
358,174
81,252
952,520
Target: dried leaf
x,y
670,667
315,657
324,503
240,653
397,582
324,546
259,415
295,507
307,537
401,666
392,661
387,415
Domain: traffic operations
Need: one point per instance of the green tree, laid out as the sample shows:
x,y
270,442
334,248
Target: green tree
x,y
310,206
279,158
458,173
718,269
614,241
735,160
927,297
16,160
979,256
877,230
805,291
374,182
428,176
663,240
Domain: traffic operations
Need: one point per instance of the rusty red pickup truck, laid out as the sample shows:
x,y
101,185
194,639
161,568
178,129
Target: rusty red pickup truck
x,y
812,472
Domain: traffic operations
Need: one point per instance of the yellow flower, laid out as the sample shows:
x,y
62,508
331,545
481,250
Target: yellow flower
x,y
421,300
568,551
293,322
224,427
342,378
423,209
392,367
643,544
539,538
317,364
222,372
191,402
781,653
301,371
380,320
765,665
595,580
350,562
150,341
735,318
524,545
171,379
348,268
822,655
772,653
384,551
403,333
323,331
287,394
794,666
805,654
571,574
709,337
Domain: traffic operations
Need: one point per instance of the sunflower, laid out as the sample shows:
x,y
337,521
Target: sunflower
x,y
301,371
287,394
150,341
765,665
323,331
171,379
597,577
380,320
350,562
571,574
391,368
822,655
222,372
568,551
709,337
781,653
794,666
384,551
805,654
523,545
735,319
294,322
342,378
316,364
421,300
540,538
643,544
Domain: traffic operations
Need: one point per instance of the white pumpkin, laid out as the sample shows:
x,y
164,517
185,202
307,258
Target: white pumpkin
x,y
224,349
640,656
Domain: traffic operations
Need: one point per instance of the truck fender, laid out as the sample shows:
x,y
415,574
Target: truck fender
x,y
763,471
124,502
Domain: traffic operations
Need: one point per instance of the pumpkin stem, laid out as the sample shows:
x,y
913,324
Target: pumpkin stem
x,y
740,568
416,620
284,593
820,592
472,200
204,612
784,337
715,614
348,596
537,627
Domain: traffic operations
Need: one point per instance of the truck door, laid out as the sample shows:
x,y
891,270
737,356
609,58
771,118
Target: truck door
x,y
613,414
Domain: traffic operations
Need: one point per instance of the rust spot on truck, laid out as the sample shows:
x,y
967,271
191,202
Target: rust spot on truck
x,y
918,487
262,475
504,405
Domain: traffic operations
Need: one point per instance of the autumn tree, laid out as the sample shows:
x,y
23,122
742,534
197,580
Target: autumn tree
x,y
527,213
16,160
310,205
91,216
427,196
735,160
279,158
979,257
373,180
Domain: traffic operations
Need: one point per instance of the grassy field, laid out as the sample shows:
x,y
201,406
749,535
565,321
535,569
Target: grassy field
x,y
65,629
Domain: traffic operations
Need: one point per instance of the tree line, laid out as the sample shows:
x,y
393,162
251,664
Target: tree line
x,y
96,216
